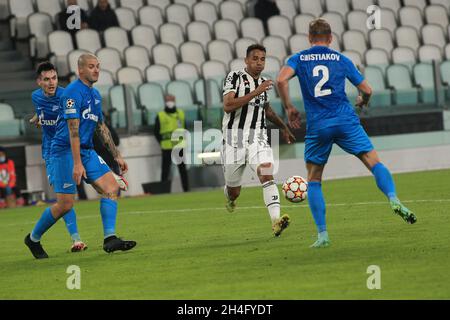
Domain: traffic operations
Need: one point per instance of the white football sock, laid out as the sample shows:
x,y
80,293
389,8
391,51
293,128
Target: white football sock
x,y
272,199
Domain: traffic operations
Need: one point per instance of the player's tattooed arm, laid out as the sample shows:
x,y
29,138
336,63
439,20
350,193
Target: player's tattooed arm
x,y
105,137
273,117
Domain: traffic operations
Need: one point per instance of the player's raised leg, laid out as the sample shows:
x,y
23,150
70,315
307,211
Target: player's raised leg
x,y
271,197
109,188
231,194
49,217
316,203
386,184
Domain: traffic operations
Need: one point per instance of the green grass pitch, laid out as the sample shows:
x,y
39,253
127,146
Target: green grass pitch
x,y
190,247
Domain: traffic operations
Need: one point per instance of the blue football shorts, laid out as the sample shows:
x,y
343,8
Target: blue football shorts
x,y
351,138
62,164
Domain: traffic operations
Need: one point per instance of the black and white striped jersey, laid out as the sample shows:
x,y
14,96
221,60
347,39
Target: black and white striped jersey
x,y
242,126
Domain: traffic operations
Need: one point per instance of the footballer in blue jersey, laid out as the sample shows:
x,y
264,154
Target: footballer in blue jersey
x,y
46,107
74,159
330,118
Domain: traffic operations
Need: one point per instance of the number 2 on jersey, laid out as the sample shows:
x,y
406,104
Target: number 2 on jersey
x,y
318,92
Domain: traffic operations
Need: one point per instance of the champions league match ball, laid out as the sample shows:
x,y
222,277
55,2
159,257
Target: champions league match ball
x,y
295,189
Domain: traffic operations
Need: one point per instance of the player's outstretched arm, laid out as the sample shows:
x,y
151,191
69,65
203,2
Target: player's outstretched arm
x,y
232,103
74,135
286,73
105,137
276,120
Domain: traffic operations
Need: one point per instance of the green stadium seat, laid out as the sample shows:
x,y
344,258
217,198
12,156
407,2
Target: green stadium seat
x,y
399,78
296,94
424,77
212,113
151,97
9,126
445,77
184,100
381,95
118,107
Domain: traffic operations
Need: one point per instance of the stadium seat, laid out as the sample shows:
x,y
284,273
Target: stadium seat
x,y
381,39
19,10
252,28
215,70
279,26
185,101
171,33
362,4
118,107
241,46
447,51
200,32
52,7
110,60
226,30
151,98
399,78
220,50
112,3
336,43
287,8
433,34
165,54
39,24
405,56
411,17
162,4
60,44
407,37
339,6
296,94
88,39
275,47
313,8
212,113
388,20
336,22
117,38
187,72
421,4
178,13
428,53
444,3
381,95
237,64
231,10
134,5
299,42
103,85
144,36
394,5
193,52
437,14
445,77
137,56
129,75
301,22
158,74
357,20
187,3
378,58
355,57
72,60
351,91
9,126
272,67
216,3
206,12
126,17
354,40
424,78
151,16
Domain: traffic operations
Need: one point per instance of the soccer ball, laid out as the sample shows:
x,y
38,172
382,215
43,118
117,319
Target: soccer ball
x,y
295,189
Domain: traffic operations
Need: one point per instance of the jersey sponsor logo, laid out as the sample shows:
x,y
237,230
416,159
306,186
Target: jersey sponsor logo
x,y
89,116
46,122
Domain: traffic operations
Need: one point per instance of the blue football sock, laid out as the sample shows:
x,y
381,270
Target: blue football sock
x,y
384,180
317,204
71,224
44,223
108,210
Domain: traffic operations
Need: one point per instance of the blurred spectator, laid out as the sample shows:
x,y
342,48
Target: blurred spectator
x,y
9,193
103,17
63,17
264,9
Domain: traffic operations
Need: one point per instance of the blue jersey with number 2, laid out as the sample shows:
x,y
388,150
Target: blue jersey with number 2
x,y
322,73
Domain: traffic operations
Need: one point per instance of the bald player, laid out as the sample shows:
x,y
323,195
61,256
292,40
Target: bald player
x,y
75,159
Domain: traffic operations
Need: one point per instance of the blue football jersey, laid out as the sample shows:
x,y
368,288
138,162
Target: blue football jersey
x,y
47,109
82,102
322,73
